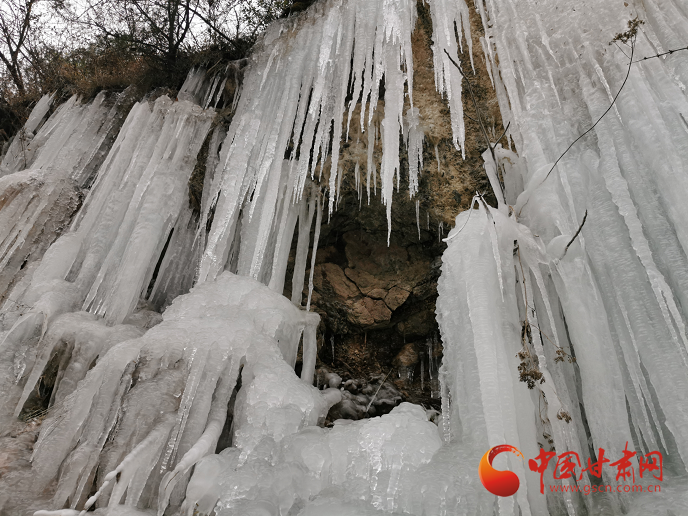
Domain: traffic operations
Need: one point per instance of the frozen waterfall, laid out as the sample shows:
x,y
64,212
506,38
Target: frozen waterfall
x,y
172,348
523,291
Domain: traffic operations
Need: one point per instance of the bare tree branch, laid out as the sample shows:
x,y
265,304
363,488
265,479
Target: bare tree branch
x,y
17,18
577,233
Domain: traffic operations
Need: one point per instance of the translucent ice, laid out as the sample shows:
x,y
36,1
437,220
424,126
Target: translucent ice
x,y
187,367
589,261
294,93
586,262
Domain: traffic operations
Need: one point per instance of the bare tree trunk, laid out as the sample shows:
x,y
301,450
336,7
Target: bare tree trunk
x,y
16,19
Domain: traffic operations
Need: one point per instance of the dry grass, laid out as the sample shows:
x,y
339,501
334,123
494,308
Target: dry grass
x,y
112,67
84,72
86,75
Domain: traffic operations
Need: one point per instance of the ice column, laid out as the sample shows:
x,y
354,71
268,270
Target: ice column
x,y
613,297
294,94
43,172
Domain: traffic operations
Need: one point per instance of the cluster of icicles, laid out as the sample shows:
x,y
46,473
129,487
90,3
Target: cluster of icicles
x,y
585,260
199,410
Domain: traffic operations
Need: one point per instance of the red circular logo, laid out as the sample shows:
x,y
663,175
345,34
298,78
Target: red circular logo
x,y
500,483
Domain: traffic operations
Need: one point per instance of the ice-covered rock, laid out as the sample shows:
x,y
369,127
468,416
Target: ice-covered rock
x,y
43,173
139,404
367,460
525,289
154,405
87,311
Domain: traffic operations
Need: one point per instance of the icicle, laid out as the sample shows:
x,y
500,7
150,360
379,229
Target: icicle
x,y
448,80
196,367
370,168
418,217
359,185
310,349
207,442
316,238
414,144
123,473
283,237
358,181
492,174
339,188
446,408
495,246
305,222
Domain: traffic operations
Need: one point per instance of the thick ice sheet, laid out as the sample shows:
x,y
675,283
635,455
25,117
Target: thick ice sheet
x,y
614,296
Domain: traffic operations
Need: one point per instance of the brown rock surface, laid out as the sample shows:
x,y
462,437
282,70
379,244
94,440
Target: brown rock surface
x,y
396,297
425,290
329,275
377,293
378,309
360,315
364,280
407,357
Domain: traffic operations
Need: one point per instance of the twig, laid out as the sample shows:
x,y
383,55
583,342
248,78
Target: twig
x,y
628,72
475,104
621,49
470,210
480,119
378,390
525,297
662,54
577,232
502,136
351,372
543,333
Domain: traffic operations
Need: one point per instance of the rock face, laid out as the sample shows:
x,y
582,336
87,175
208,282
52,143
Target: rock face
x,y
366,286
377,301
